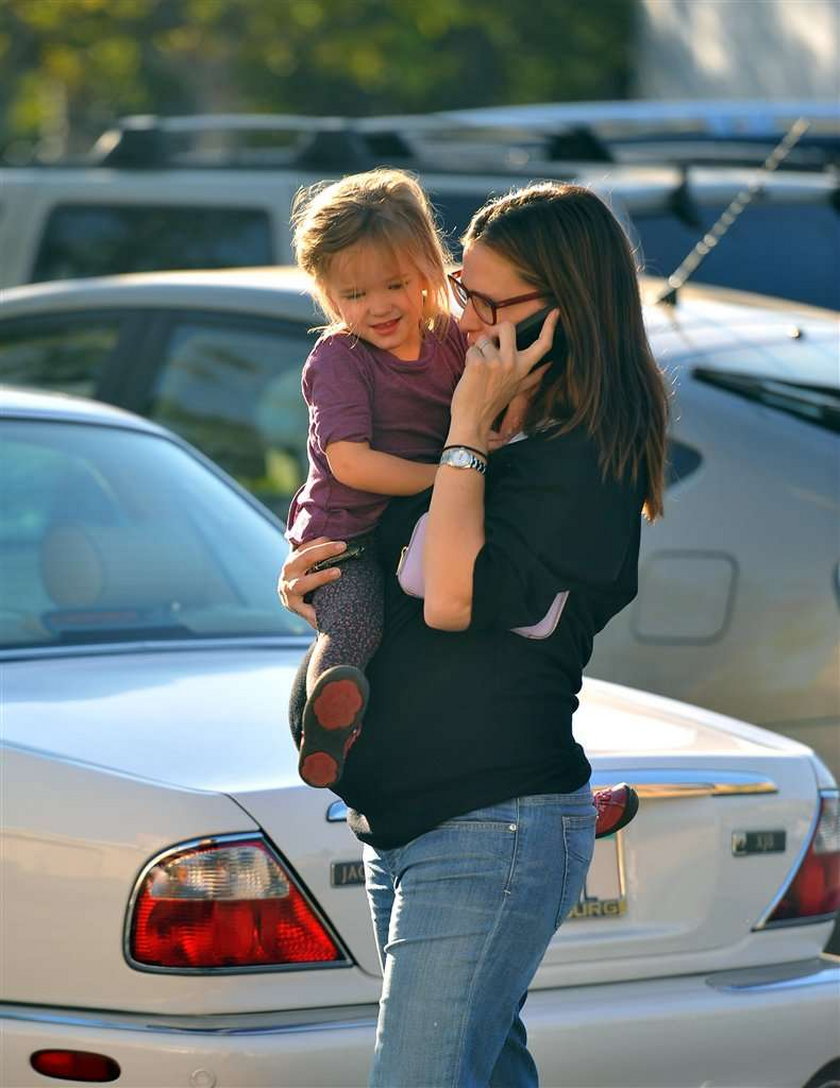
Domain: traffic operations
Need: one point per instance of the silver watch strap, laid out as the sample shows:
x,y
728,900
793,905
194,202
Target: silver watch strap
x,y
462,457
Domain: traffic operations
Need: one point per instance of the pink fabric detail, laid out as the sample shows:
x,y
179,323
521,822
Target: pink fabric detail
x,y
410,577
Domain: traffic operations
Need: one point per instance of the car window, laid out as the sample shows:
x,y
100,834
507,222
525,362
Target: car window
x,y
680,462
109,535
64,355
789,250
96,240
234,391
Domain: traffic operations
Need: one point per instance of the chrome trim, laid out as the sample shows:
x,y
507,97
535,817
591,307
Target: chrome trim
x,y
217,1024
777,977
215,840
663,785
656,785
763,923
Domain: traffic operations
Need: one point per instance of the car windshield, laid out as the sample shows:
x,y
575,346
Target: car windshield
x,y
109,535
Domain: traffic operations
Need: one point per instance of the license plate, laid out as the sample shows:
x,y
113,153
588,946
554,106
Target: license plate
x,y
603,894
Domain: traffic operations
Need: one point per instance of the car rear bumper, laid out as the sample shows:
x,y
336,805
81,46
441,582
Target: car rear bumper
x,y
772,1026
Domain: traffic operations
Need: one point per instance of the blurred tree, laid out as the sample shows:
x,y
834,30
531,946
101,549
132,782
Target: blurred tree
x,y
69,67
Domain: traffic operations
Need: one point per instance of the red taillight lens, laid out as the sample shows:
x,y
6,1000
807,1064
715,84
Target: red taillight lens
x,y
226,904
75,1065
815,888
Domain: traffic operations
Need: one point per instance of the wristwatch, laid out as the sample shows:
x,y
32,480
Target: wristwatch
x,y
461,457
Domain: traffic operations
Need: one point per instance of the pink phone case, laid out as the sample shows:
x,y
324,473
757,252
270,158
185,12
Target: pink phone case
x,y
410,577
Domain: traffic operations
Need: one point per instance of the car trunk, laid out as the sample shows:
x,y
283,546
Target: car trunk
x,y
667,896
680,891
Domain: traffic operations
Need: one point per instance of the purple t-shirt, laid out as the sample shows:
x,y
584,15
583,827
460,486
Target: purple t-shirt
x,y
359,393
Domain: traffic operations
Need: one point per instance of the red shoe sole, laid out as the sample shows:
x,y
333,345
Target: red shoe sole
x,y
332,720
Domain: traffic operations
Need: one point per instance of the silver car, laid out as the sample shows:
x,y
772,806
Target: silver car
x,y
738,601
178,909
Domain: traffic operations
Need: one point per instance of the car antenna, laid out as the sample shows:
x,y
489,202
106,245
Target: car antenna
x,y
680,276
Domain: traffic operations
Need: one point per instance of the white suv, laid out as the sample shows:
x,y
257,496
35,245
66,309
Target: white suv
x,y
149,199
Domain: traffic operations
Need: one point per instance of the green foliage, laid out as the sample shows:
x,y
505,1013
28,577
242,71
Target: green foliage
x,y
78,64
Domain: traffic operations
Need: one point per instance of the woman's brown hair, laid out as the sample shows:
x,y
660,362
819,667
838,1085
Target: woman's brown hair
x,y
565,241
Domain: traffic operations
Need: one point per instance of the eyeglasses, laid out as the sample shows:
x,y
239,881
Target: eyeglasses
x,y
485,308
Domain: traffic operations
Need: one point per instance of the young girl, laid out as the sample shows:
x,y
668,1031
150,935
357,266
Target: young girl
x,y
378,385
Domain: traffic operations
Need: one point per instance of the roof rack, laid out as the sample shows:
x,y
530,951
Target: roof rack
x,y
516,139
740,133
222,140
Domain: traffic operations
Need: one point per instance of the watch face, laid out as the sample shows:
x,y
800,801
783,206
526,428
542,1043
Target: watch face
x,y
463,458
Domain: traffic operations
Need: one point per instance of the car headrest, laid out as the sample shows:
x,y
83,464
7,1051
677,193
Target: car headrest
x,y
128,566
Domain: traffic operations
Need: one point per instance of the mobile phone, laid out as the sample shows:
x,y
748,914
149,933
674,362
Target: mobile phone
x,y
354,549
529,329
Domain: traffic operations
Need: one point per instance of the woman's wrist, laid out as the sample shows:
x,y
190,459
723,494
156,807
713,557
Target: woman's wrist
x,y
470,449
472,438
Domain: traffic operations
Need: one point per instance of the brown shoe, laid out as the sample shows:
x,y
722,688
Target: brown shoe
x,y
616,806
332,720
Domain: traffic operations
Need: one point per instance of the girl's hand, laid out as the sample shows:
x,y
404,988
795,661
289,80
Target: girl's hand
x,y
495,375
295,582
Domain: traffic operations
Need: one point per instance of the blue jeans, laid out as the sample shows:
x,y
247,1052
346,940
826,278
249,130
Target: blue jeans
x,y
462,917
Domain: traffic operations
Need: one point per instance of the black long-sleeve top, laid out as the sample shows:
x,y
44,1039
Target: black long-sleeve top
x,y
461,720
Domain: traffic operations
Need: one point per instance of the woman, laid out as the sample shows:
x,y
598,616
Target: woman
x,y
467,787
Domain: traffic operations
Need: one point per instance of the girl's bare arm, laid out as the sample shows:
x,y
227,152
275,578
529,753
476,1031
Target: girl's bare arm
x,y
357,465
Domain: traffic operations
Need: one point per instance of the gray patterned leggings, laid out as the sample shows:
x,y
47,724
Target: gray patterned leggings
x,y
350,617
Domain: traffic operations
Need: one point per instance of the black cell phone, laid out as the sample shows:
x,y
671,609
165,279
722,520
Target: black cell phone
x,y
354,549
529,329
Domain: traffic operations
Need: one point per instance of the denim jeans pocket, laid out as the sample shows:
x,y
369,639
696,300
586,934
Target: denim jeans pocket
x,y
579,846
501,817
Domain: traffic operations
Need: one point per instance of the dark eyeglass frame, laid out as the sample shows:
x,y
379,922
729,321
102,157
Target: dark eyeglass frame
x,y
463,295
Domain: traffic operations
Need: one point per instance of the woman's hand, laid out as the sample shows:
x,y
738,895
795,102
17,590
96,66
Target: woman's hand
x,y
511,422
495,377
295,582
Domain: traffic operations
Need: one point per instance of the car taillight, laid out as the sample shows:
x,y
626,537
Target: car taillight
x,y
75,1065
225,903
814,891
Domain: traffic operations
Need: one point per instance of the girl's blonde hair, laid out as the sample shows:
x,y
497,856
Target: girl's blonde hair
x,y
382,207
